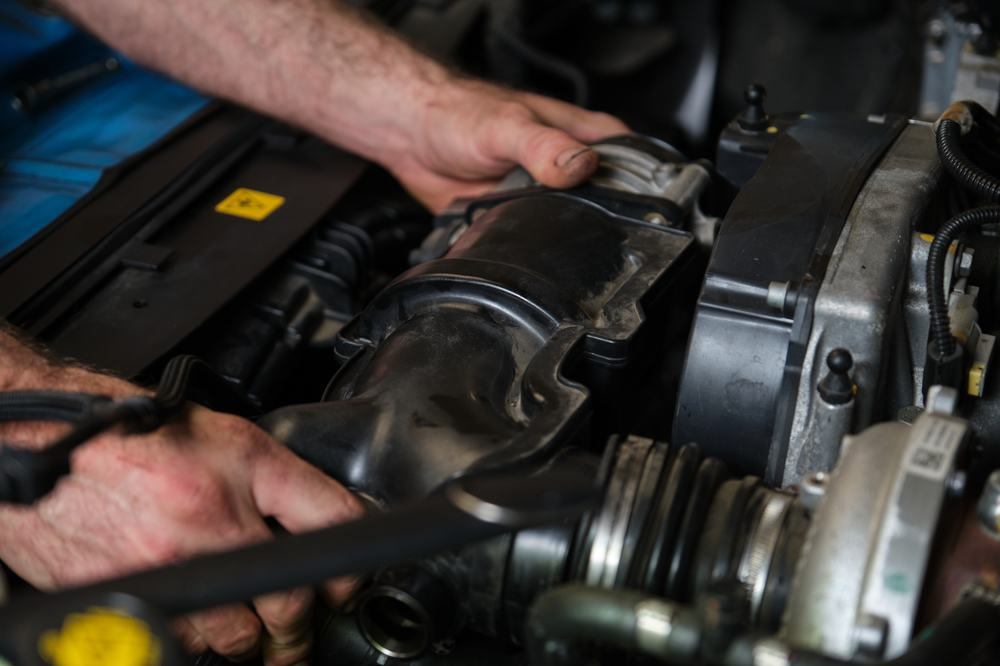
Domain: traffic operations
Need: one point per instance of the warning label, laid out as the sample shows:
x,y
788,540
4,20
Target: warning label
x,y
250,204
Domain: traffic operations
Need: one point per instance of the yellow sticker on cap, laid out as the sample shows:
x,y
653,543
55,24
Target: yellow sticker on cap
x,y
250,204
101,637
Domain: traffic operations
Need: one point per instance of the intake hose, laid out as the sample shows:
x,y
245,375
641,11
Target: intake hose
x,y
956,121
937,303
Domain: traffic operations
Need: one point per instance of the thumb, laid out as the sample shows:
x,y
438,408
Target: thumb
x,y
550,155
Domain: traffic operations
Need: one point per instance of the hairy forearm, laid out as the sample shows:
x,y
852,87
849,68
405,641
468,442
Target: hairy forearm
x,y
316,63
25,366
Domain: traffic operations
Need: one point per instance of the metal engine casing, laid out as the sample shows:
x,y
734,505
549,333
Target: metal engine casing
x,y
812,256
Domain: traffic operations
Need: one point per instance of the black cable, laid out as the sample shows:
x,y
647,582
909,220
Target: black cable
x,y
27,475
958,164
940,325
46,405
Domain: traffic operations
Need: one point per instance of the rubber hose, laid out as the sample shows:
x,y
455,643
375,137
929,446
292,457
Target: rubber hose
x,y
961,168
936,298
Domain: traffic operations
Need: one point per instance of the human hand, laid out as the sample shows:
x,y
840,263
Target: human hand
x,y
203,483
469,134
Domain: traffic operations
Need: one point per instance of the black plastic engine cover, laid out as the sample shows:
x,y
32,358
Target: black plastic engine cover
x,y
491,355
745,355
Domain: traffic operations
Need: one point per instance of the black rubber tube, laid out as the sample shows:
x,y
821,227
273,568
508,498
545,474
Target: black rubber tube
x,y
960,167
937,303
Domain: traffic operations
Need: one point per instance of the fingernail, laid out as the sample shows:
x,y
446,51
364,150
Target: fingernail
x,y
567,156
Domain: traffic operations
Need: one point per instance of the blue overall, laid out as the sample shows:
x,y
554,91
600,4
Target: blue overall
x,y
70,109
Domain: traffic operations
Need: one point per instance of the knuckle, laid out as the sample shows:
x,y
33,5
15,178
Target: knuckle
x,y
543,145
515,110
289,619
162,550
233,426
602,118
239,639
191,641
191,496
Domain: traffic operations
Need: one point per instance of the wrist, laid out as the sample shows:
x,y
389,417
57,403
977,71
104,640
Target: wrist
x,y
382,115
40,434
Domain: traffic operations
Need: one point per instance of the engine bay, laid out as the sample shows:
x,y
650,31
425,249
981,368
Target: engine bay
x,y
732,401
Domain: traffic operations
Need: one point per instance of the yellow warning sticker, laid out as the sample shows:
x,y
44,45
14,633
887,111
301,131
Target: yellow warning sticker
x,y
250,204
101,637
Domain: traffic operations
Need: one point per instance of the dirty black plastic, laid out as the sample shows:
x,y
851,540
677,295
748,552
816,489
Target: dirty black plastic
x,y
135,268
744,358
490,355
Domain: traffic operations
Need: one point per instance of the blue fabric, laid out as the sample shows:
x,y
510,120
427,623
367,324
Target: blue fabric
x,y
52,157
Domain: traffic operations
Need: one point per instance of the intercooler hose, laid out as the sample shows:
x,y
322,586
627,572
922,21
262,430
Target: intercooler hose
x,y
949,132
937,301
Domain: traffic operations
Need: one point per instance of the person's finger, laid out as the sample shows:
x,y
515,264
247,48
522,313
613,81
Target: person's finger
x,y
287,617
232,631
317,500
587,126
550,155
191,641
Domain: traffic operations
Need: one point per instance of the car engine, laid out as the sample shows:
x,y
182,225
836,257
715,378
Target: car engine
x,y
732,401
